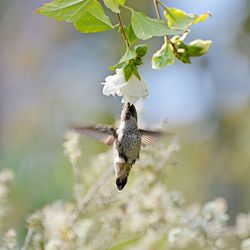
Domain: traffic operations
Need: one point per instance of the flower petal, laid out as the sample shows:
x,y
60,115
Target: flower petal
x,y
132,90
113,83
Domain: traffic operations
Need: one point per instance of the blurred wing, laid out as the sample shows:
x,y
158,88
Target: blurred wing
x,y
149,137
101,133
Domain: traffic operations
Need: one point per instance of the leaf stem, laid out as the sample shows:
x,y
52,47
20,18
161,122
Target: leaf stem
x,y
162,4
122,29
157,10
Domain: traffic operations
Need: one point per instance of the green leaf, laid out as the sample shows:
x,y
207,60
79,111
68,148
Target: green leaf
x,y
194,49
135,72
129,54
95,20
65,10
183,56
115,66
163,57
201,18
130,34
138,61
141,50
199,47
127,71
113,5
133,57
87,15
179,19
145,27
121,2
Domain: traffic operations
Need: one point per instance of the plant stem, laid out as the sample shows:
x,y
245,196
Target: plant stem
x,y
162,4
122,29
157,10
92,192
27,239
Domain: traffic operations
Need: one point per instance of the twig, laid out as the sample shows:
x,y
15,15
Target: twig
x,y
84,202
27,239
157,9
122,29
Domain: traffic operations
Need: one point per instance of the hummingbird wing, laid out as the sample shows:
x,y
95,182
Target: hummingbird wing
x,y
102,133
149,137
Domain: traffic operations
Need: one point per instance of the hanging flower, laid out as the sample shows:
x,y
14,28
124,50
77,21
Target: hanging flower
x,y
131,91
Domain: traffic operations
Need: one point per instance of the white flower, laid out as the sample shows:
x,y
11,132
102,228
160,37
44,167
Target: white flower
x,y
71,148
245,245
181,237
132,90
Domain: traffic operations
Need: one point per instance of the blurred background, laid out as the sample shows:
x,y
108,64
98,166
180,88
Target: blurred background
x,y
50,76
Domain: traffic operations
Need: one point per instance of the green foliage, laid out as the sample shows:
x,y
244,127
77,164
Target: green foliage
x,y
129,54
65,10
88,16
128,71
194,49
94,20
145,27
141,50
130,60
130,34
179,19
199,47
113,5
163,57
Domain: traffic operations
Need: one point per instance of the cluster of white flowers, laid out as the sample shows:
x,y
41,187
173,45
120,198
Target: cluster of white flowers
x,y
8,236
6,179
243,225
71,149
245,245
145,215
131,91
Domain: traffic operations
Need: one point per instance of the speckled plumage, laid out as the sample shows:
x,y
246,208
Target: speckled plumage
x,y
127,140
127,145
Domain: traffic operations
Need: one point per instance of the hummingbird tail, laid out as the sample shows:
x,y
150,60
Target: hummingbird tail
x,y
121,182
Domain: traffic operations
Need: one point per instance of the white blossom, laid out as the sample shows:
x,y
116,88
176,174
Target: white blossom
x,y
131,91
245,245
71,149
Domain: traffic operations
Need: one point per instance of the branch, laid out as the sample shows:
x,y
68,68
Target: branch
x,y
122,29
27,239
157,9
84,202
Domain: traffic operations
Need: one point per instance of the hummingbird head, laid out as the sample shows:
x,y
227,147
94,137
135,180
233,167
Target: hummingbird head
x,y
129,112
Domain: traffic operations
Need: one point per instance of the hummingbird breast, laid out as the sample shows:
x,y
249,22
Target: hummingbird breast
x,y
128,143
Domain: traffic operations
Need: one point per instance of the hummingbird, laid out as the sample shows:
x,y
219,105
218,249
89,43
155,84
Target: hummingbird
x,y
127,141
